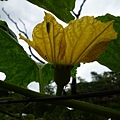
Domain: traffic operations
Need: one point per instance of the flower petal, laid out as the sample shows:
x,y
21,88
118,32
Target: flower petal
x,y
49,37
86,38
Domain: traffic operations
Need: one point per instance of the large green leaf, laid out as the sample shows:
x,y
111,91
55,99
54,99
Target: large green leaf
x,y
60,8
47,74
19,68
4,26
111,57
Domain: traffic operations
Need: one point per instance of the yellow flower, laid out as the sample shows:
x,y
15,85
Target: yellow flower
x,y
81,41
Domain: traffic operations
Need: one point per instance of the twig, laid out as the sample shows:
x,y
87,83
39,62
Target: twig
x,y
79,12
25,33
23,25
14,23
35,56
68,97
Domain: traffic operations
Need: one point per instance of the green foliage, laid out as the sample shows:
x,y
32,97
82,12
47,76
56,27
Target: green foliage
x,y
14,62
111,57
62,113
59,113
100,82
28,108
60,8
47,73
74,70
4,26
13,111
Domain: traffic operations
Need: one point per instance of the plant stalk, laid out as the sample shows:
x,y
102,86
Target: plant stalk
x,y
76,104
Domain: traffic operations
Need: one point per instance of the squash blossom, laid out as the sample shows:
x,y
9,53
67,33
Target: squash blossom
x,y
81,41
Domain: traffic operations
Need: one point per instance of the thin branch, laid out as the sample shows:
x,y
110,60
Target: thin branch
x,y
79,12
68,97
25,33
35,56
23,25
14,23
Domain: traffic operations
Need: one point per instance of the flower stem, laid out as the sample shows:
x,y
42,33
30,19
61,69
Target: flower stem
x,y
61,77
59,90
41,83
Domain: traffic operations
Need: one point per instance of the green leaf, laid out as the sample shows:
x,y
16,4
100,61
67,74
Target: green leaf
x,y
111,57
19,68
4,26
60,8
47,74
59,113
74,70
